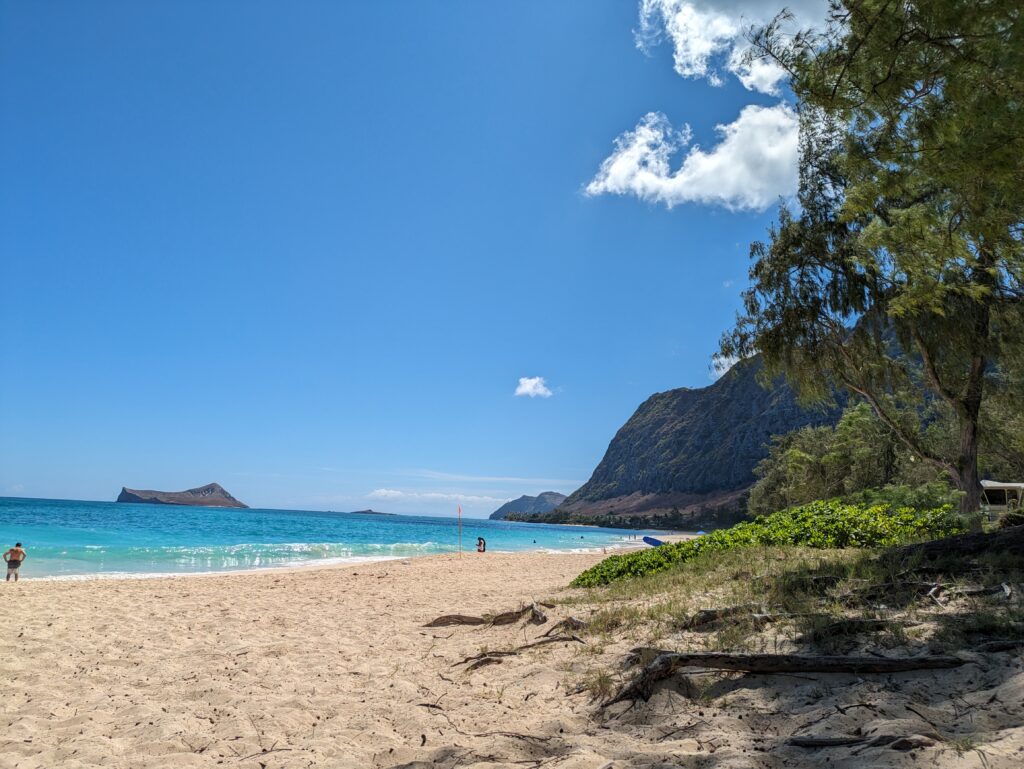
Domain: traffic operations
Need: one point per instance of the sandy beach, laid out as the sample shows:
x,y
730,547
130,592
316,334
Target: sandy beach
x,y
333,667
317,667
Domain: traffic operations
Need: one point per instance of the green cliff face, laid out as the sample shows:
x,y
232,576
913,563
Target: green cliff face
x,y
689,451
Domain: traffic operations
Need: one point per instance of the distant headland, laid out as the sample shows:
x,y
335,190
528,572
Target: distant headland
x,y
210,495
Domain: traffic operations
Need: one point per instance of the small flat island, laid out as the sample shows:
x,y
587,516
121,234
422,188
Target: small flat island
x,y
210,495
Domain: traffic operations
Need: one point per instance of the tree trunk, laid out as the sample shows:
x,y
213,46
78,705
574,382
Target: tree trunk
x,y
967,467
970,412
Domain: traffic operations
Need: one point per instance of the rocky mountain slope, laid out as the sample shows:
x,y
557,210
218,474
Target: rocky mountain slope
x,y
527,506
687,456
210,495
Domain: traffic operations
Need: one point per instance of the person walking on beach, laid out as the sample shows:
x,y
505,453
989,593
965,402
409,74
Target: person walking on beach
x,y
14,557
481,545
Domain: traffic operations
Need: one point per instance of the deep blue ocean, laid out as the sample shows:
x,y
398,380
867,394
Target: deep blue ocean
x,y
70,539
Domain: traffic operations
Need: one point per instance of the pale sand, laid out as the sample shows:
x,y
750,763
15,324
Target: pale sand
x,y
333,668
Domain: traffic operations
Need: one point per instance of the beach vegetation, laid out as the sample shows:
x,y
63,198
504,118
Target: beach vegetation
x,y
819,525
857,460
792,599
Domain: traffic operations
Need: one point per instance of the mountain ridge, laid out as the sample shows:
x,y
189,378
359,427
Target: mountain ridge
x,y
687,456
527,506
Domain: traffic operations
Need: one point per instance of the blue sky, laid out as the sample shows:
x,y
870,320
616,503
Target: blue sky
x,y
308,251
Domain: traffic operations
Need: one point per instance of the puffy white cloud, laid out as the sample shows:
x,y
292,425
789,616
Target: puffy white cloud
x,y
750,168
433,496
710,34
533,387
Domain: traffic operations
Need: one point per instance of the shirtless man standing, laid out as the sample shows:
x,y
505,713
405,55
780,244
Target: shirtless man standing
x,y
14,557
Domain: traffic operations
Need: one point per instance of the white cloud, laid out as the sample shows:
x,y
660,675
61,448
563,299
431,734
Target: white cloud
x,y
710,34
433,496
750,168
533,387
727,283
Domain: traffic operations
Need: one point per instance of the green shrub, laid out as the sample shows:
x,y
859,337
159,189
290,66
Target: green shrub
x,y
925,496
818,524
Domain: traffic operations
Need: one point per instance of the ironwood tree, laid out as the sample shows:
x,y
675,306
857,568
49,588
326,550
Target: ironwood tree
x,y
899,273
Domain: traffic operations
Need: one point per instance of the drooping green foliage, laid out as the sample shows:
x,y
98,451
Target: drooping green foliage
x,y
901,275
858,460
819,525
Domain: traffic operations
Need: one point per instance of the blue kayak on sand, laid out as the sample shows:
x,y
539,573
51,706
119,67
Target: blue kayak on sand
x,y
653,542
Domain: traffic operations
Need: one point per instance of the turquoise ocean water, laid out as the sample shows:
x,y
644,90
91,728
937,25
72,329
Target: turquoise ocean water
x,y
70,539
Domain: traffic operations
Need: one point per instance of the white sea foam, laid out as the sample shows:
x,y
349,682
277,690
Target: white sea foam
x,y
298,564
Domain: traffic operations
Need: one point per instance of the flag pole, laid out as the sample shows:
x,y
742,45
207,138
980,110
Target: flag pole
x,y
460,531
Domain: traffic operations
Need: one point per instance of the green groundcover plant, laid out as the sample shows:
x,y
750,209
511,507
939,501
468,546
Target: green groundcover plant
x,y
818,524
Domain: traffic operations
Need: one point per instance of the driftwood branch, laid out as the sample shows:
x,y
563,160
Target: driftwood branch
x,y
1000,645
569,623
455,619
824,742
537,617
710,616
485,655
493,658
666,663
551,640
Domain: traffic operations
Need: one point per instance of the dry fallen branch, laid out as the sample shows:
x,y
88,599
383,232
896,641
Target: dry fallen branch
x,y
1001,589
891,741
484,655
491,658
537,617
666,663
569,623
484,661
709,616
902,742
455,619
824,742
551,640
1001,645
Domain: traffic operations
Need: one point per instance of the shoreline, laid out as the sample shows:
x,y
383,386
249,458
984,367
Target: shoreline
x,y
330,563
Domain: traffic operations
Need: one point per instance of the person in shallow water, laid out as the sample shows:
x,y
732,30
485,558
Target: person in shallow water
x,y
14,557
481,545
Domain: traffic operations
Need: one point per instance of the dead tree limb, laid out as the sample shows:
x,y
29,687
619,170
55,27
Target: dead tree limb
x,y
551,640
666,663
537,617
485,655
709,616
569,623
824,742
485,661
455,619
1001,589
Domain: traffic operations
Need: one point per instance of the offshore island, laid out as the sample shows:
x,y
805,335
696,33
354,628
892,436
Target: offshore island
x,y
210,495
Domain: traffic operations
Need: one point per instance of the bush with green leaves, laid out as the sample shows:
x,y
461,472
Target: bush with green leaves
x,y
818,524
